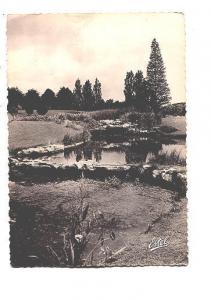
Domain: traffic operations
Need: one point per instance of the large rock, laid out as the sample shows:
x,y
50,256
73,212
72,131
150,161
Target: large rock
x,y
171,178
40,151
104,171
68,172
38,171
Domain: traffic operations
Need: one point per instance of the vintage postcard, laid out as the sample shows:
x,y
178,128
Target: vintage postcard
x,y
97,140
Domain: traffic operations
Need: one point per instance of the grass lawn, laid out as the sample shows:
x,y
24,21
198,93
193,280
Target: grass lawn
x,y
178,122
25,134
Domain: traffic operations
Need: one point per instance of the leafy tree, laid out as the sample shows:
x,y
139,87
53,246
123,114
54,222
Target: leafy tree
x,y
31,101
140,98
88,96
97,93
109,103
78,95
15,99
156,78
129,87
65,98
42,107
48,99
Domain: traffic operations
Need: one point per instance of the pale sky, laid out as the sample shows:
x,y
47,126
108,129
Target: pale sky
x,y
53,50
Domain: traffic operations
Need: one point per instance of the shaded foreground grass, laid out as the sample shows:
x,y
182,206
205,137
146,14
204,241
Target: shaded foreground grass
x,y
40,215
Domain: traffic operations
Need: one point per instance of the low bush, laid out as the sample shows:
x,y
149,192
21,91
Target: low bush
x,y
82,117
77,117
143,120
106,114
81,137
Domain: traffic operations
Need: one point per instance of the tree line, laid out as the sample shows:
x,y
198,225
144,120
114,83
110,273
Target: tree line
x,y
83,97
144,94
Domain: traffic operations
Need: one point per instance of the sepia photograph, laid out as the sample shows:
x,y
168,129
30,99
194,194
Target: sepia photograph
x,y
97,140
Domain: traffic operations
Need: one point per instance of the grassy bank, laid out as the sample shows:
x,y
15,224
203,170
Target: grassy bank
x,y
35,130
178,122
25,134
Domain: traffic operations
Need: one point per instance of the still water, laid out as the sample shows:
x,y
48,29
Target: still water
x,y
118,154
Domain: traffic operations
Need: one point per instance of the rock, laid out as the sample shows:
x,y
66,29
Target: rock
x,y
182,177
171,178
111,146
40,151
147,166
39,171
103,172
69,172
68,147
156,174
181,183
166,176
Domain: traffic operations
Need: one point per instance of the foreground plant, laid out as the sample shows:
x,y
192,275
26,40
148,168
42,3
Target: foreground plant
x,y
79,233
112,182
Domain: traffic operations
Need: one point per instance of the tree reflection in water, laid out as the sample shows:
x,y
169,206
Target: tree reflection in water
x,y
135,152
78,154
138,151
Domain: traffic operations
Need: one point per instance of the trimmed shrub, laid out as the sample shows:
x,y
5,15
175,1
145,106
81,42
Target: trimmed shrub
x,y
144,120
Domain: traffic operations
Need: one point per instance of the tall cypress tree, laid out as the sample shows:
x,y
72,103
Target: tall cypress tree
x,y
156,77
141,100
78,96
129,88
97,93
88,96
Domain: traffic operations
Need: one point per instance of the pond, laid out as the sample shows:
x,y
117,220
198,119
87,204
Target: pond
x,y
104,153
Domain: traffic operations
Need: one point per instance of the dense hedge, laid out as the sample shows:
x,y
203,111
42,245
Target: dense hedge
x,y
176,109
